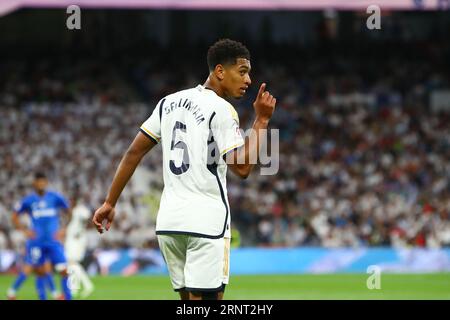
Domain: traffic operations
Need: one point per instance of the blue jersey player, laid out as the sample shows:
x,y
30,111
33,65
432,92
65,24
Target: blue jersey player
x,y
45,235
25,271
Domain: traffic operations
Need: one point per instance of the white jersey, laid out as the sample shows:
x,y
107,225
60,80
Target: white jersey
x,y
77,225
76,234
194,126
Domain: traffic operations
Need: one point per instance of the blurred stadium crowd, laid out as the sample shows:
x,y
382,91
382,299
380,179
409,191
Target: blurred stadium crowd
x,y
364,160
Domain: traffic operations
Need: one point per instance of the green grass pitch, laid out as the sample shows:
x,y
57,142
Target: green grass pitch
x,y
289,287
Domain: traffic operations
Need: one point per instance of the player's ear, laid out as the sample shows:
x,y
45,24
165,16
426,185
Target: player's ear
x,y
219,71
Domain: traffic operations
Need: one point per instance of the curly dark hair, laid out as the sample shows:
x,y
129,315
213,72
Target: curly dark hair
x,y
226,51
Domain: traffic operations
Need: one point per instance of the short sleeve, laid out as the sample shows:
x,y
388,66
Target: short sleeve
x,y
152,126
225,127
22,207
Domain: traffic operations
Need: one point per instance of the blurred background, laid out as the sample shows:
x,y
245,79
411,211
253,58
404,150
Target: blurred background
x,y
364,120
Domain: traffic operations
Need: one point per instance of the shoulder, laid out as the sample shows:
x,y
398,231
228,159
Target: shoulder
x,y
51,193
26,202
29,198
225,110
232,111
169,99
55,195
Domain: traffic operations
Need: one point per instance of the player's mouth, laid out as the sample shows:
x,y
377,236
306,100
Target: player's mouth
x,y
243,89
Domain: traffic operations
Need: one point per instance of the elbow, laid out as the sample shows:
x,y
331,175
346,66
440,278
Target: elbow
x,y
133,155
245,176
131,152
244,173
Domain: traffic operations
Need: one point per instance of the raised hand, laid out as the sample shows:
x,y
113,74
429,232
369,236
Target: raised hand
x,y
264,104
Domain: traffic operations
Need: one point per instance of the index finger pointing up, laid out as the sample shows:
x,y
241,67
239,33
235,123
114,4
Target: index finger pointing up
x,y
261,89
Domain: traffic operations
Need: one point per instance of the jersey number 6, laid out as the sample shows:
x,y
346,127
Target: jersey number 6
x,y
180,145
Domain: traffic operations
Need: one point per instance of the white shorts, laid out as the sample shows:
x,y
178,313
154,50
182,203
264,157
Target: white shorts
x,y
196,264
75,250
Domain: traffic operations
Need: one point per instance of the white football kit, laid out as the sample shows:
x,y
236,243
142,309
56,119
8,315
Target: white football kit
x,y
76,236
75,248
196,128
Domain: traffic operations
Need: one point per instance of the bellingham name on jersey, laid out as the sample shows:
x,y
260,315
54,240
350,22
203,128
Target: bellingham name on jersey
x,y
188,105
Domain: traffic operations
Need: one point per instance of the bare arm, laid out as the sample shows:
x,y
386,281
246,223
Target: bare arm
x,y
16,222
138,148
264,106
66,216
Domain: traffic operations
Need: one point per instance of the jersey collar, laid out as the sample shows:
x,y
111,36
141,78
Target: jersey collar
x,y
205,89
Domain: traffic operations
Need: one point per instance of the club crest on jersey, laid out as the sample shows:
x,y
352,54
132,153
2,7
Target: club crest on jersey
x,y
238,132
38,205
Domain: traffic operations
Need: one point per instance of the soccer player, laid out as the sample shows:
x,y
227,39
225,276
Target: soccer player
x,y
24,273
75,246
45,234
195,126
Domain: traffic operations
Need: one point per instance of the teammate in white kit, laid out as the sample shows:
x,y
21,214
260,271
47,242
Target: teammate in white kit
x,y
197,127
75,247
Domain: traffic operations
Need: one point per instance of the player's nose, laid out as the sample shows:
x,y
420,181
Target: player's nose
x,y
248,81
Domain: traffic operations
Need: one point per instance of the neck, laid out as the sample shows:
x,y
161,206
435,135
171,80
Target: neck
x,y
213,84
40,192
